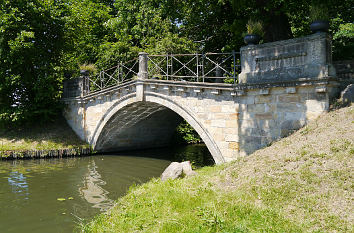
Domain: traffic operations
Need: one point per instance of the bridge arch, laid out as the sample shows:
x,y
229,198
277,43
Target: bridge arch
x,y
125,112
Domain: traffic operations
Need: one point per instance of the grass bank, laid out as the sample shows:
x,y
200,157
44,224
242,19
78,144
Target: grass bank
x,y
302,183
52,136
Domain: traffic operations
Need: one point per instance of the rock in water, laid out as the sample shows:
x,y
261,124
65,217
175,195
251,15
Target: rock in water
x,y
176,170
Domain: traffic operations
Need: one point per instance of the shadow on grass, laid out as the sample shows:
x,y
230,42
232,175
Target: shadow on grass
x,y
53,135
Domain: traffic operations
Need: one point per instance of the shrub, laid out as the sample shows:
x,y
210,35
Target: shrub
x,y
255,27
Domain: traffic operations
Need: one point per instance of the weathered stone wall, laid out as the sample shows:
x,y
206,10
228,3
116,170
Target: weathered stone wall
x,y
300,58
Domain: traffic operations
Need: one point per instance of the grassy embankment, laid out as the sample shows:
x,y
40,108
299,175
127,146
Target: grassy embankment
x,y
52,136
302,183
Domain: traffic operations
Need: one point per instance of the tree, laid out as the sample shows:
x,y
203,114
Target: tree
x,y
39,42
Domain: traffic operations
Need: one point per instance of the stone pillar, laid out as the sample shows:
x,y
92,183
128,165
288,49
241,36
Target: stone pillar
x,y
75,87
140,91
143,65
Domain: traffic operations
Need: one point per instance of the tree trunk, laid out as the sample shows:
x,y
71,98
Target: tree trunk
x,y
278,27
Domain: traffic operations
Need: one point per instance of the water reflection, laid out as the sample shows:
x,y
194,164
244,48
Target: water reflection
x,y
29,189
92,191
18,183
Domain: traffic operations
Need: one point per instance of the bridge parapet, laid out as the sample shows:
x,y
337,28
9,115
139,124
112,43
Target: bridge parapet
x,y
301,58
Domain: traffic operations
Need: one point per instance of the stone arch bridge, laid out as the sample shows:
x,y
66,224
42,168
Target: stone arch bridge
x,y
282,86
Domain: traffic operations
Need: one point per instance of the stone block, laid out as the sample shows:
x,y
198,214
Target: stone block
x,y
316,106
246,115
228,108
291,90
234,145
230,131
218,123
290,107
207,122
289,98
231,138
249,144
219,136
232,116
257,108
292,124
246,100
267,124
263,116
294,115
215,108
263,99
246,124
264,91
278,90
223,145
240,107
231,123
217,116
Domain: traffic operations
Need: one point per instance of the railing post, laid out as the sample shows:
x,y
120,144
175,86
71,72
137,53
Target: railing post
x,y
143,65
234,65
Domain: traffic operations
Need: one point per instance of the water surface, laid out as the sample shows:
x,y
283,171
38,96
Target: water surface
x,y
30,189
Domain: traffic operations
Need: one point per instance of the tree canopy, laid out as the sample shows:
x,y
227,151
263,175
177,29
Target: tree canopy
x,y
44,41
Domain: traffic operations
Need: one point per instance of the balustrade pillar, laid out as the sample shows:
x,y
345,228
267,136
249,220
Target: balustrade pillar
x,y
143,65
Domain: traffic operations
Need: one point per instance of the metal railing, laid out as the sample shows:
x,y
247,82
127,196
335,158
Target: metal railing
x,y
205,67
116,75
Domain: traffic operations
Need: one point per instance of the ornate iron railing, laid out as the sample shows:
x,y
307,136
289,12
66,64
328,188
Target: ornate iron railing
x,y
206,67
116,75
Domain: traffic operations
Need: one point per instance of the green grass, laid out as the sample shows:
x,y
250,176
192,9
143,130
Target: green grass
x,y
55,135
192,206
303,183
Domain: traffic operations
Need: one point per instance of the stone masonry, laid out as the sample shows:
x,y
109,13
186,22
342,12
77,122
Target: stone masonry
x,y
276,95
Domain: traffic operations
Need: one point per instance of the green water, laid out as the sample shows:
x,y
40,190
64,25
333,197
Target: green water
x,y
29,189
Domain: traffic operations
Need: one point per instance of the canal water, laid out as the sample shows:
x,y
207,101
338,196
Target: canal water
x,y
56,195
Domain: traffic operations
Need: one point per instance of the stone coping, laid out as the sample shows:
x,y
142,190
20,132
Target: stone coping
x,y
332,81
303,39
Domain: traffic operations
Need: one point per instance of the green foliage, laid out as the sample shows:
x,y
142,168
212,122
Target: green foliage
x,y
343,40
186,134
255,27
319,12
39,42
91,68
